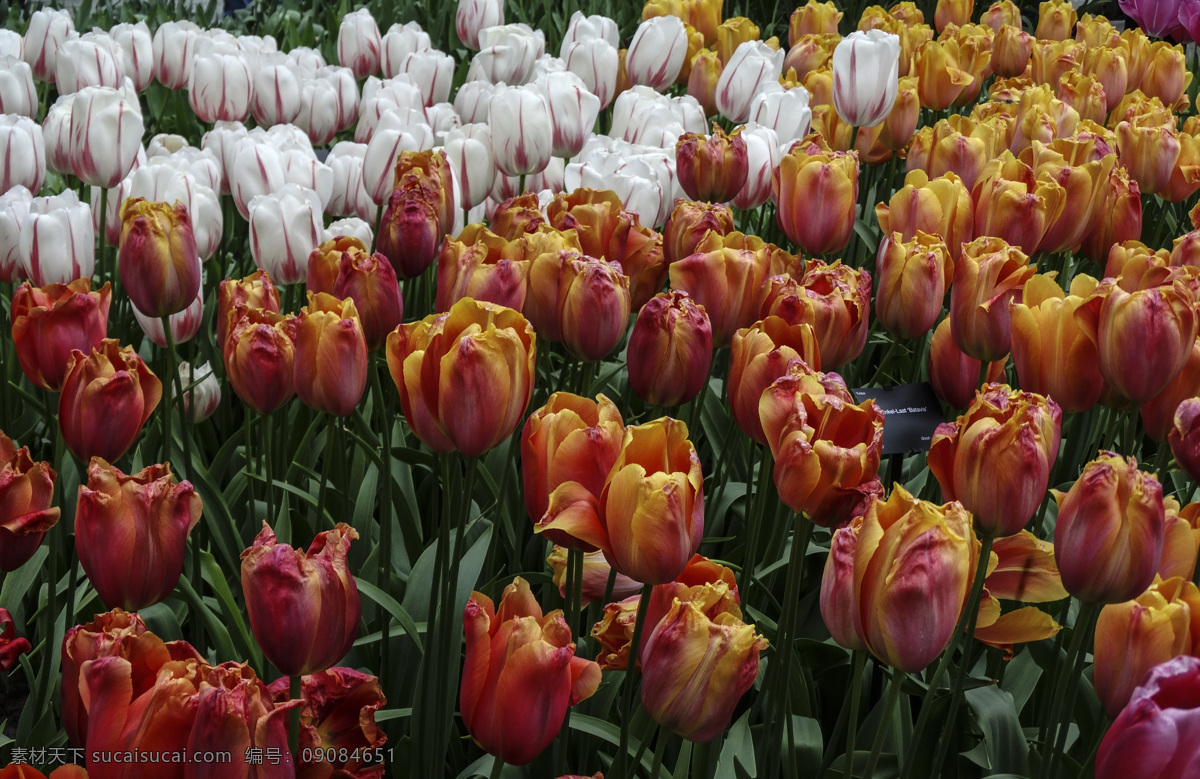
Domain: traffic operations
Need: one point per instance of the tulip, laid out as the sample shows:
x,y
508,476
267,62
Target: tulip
x,y
482,346
593,309
106,135
220,86
1109,537
14,207
813,18
689,223
476,15
201,391
114,634
359,43
913,279
595,27
712,168
670,350
258,170
145,517
49,323
48,29
12,646
26,490
1017,435
304,606
594,60
834,299
158,260
479,264
184,324
17,94
1143,338
650,515
1154,734
816,196
725,274
370,281
753,65
989,274
93,60
330,365
398,42
1184,437
595,577
107,396
506,646
1159,19
826,449
902,571
1158,413
173,46
573,111
1133,637
656,53
254,291
761,354
955,375
285,227
137,48
865,74
24,153
410,234
1119,219
57,243
703,78
568,444
259,350
695,670
1052,354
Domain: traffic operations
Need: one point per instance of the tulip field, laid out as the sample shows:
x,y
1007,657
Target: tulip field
x,y
703,389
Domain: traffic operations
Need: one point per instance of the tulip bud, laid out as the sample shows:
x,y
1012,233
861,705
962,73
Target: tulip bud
x,y
359,43
48,29
752,65
657,51
505,646
913,278
816,196
491,348
1109,537
26,490
865,77
173,46
158,260
285,226
689,223
259,350
712,168
220,86
107,396
410,233
695,670
933,547
569,441
137,49
330,366
989,274
24,153
670,350
593,307
955,375
106,135
145,518
594,60
475,15
761,354
1143,338
254,291
201,391
1017,435
304,607
834,299
370,281
17,94
522,130
573,111
1144,740
725,274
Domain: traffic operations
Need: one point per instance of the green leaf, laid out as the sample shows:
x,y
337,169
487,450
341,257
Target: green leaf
x,y
215,577
1003,738
392,607
216,629
737,753
17,583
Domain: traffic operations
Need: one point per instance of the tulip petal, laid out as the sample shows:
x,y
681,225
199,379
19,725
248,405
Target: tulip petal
x,y
1018,627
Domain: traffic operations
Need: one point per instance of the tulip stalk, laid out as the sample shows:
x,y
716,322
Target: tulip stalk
x,y
889,706
755,522
629,683
1068,683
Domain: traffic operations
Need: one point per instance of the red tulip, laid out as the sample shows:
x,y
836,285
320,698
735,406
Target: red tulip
x,y
26,489
50,322
1157,732
106,399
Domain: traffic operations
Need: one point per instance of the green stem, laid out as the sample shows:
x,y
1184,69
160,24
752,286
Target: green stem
x,y
325,466
659,751
787,624
295,693
497,767
860,661
885,362
250,462
755,522
629,683
889,705
269,468
170,380
1068,683
985,552
969,615
385,514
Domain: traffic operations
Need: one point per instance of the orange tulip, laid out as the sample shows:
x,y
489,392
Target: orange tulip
x,y
1071,164
370,281
1040,116
595,578
1011,50
712,168
1158,413
1132,637
107,397
725,275
1185,176
131,532
114,634
1167,76
1109,537
428,174
475,265
570,439
517,216
989,274
330,365
304,607
1056,19
826,449
703,76
593,307
259,357
815,195
254,291
25,771
1085,94
813,18
901,572
940,206
1017,205
50,322
913,279
159,265
1119,219
465,377
520,674
1000,13
941,79
1143,338
901,123
325,261
1020,568
956,12
1109,66
760,355
955,375
733,33
835,299
1149,153
810,53
670,350
1052,354
26,490
689,222
996,458
1052,60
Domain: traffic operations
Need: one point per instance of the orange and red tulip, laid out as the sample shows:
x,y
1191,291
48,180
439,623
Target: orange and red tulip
x,y
50,322
107,397
159,264
330,365
670,350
